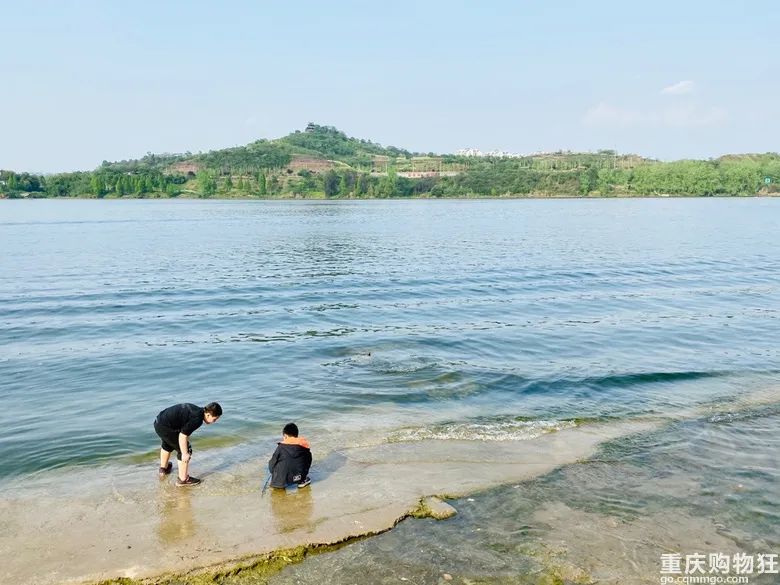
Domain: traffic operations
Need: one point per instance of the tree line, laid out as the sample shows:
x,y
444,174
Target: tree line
x,y
727,176
100,183
233,173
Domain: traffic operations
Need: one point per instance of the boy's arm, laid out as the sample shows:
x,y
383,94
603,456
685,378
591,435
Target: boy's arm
x,y
185,452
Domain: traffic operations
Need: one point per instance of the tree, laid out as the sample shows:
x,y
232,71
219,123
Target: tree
x,y
361,187
206,183
330,183
261,184
343,186
605,181
97,185
389,183
740,177
274,185
587,181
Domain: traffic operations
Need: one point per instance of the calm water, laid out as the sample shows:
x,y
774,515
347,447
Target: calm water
x,y
418,320
466,314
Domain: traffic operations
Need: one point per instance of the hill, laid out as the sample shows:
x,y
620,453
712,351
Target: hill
x,y
322,161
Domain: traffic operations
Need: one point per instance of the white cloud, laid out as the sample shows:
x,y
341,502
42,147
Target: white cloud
x,y
677,116
679,88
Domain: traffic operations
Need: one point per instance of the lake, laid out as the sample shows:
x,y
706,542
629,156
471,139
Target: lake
x,y
371,322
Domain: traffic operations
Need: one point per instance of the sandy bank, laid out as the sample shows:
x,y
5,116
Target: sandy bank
x,y
131,525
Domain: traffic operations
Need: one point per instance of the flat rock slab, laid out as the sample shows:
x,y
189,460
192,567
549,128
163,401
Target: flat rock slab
x,y
100,525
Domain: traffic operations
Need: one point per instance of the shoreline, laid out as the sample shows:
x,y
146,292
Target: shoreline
x,y
129,527
353,199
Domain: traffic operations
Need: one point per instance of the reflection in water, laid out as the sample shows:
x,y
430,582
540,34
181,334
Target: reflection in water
x,y
176,518
292,510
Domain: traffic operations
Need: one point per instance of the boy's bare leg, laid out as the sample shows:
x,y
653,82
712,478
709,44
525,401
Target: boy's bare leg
x,y
183,466
164,458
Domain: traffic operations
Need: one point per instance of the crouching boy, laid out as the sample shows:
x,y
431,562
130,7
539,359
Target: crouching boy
x,y
291,461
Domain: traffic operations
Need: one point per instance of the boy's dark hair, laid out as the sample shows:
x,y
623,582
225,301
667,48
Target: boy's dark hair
x,y
213,408
290,429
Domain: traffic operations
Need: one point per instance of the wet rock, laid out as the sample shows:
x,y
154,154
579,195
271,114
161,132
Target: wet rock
x,y
433,507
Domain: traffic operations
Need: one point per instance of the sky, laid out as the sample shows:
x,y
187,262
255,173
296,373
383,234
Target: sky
x,y
83,82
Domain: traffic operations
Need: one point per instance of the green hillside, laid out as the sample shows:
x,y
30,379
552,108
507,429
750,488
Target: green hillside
x,y
323,162
318,142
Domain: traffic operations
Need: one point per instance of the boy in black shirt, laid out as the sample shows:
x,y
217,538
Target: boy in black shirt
x,y
174,425
291,461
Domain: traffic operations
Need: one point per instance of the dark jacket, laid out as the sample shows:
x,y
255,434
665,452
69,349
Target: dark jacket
x,y
290,462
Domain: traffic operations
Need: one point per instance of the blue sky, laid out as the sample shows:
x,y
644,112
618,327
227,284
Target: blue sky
x,y
88,81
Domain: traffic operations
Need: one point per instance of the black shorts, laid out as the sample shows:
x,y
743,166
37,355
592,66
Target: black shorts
x,y
169,440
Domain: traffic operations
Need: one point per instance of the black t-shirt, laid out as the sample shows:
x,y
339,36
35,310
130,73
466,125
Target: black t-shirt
x,y
182,418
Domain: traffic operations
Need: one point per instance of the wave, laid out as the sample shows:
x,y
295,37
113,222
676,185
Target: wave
x,y
745,414
631,379
497,430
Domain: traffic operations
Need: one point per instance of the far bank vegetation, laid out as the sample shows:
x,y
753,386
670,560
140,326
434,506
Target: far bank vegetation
x,y
323,162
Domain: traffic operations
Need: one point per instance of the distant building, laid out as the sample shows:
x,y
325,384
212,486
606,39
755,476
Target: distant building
x,y
492,153
469,152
